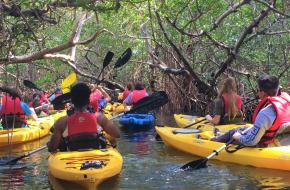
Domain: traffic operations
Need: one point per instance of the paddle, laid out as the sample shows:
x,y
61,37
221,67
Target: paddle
x,y
201,163
145,105
154,101
31,85
67,82
124,58
13,161
107,60
194,123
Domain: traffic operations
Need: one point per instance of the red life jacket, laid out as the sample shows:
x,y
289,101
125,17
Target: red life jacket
x,y
239,102
281,105
94,100
138,95
12,106
82,122
126,93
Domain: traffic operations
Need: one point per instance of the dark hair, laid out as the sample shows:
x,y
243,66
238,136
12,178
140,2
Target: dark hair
x,y
268,84
139,85
80,95
129,86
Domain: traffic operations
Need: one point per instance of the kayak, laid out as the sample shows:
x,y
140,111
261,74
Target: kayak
x,y
200,145
86,168
36,130
182,120
137,119
202,124
115,107
58,115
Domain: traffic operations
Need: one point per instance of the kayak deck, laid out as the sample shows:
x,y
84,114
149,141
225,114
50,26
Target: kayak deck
x,y
77,166
272,157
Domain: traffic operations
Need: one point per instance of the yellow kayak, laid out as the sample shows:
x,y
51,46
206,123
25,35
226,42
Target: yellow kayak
x,y
36,130
185,120
58,114
270,157
86,168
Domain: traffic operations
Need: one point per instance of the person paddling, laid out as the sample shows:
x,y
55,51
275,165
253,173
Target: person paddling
x,y
271,113
122,96
98,98
82,128
14,112
228,106
137,94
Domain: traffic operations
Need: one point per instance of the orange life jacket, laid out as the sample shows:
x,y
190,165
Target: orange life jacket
x,y
126,93
281,105
239,102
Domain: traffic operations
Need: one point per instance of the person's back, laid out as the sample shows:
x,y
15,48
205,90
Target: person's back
x,y
137,94
81,128
228,106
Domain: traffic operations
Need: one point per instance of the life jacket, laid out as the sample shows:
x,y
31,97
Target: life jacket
x,y
226,102
94,100
10,108
138,95
225,119
281,105
126,93
83,132
82,122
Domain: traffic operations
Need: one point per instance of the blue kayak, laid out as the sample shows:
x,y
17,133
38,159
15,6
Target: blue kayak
x,y
137,119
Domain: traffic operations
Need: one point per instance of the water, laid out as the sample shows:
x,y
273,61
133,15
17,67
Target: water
x,y
148,164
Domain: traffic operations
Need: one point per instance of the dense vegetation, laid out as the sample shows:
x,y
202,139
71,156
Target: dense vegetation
x,y
182,46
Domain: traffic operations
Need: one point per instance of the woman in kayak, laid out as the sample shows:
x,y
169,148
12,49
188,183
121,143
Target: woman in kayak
x,y
82,128
228,106
271,113
137,94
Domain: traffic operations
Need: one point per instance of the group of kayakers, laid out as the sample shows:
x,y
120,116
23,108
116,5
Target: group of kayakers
x,y
270,116
86,121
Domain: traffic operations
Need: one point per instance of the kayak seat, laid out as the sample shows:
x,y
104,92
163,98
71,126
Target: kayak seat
x,y
86,141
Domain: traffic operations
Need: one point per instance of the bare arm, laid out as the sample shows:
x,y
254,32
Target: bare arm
x,y
59,128
104,93
107,125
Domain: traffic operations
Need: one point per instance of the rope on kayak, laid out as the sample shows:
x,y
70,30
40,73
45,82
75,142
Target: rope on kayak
x,y
92,164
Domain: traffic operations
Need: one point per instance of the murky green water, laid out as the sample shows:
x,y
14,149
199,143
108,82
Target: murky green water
x,y
148,164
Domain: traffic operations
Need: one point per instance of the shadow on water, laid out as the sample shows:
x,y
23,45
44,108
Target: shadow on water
x,y
149,164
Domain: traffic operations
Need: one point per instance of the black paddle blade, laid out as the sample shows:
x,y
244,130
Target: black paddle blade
x,y
195,165
108,58
124,58
60,101
14,161
31,85
154,101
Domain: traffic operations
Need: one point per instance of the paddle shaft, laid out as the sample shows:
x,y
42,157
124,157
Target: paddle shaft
x,y
26,155
189,125
215,152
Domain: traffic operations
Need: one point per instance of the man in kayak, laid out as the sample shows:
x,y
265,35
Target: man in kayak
x,y
14,112
81,128
228,106
272,112
137,94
